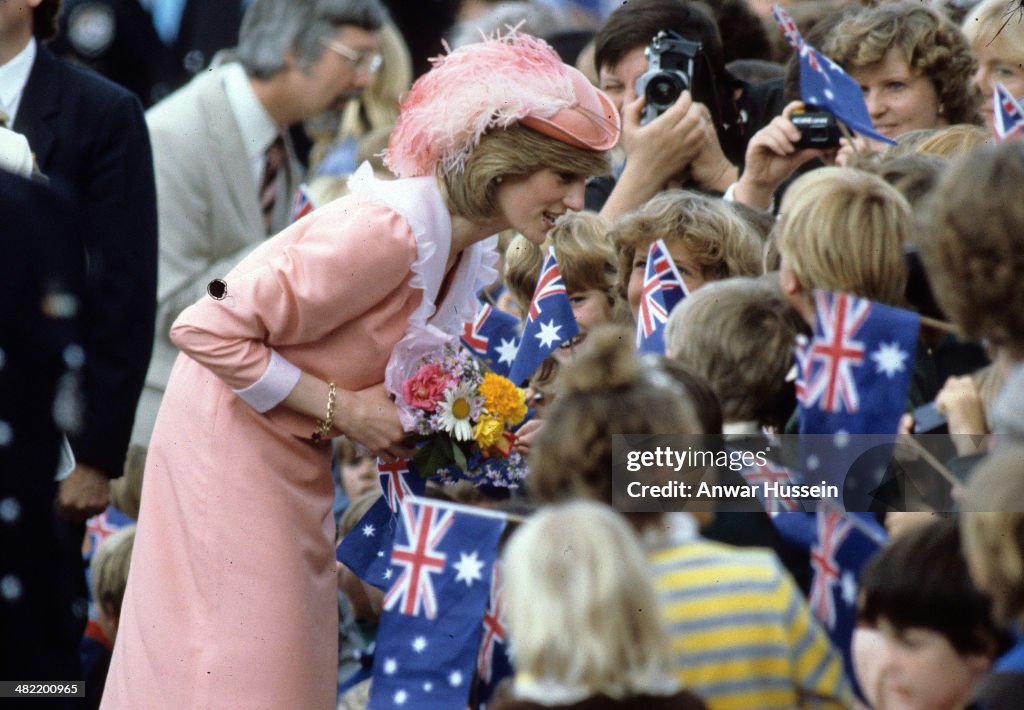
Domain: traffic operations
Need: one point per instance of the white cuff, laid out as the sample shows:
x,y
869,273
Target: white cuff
x,y
730,196
276,383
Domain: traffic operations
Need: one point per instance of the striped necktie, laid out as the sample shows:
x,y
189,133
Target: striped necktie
x,y
268,190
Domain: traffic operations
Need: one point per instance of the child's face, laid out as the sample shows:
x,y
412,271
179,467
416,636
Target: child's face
x,y
920,670
591,309
689,269
358,476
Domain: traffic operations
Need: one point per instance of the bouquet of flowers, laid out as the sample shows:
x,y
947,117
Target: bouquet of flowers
x,y
462,416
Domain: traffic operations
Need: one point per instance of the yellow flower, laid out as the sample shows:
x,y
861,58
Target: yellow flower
x,y
488,431
503,399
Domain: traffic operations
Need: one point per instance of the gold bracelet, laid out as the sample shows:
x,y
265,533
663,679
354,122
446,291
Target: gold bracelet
x,y
323,428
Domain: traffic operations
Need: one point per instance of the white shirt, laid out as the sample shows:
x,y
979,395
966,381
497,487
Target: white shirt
x,y
13,77
258,130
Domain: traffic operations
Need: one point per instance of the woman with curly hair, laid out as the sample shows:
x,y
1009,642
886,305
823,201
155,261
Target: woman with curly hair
x,y
913,64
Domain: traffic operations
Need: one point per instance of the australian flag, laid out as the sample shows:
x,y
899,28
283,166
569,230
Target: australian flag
x,y
492,661
493,336
367,547
1007,116
853,381
824,84
549,322
430,630
772,472
855,372
302,204
840,544
663,288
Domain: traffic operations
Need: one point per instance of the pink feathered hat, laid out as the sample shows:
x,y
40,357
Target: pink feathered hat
x,y
495,83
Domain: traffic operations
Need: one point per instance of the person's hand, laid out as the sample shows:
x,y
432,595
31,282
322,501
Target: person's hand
x,y
369,417
666,146
83,494
711,170
771,158
960,403
527,434
859,146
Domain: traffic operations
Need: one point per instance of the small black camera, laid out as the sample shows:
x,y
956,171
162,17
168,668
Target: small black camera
x,y
671,64
818,129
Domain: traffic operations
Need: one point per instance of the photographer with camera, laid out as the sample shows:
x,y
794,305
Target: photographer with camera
x,y
685,119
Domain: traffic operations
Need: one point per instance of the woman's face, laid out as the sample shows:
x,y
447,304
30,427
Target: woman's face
x,y
920,670
898,98
995,67
531,204
689,269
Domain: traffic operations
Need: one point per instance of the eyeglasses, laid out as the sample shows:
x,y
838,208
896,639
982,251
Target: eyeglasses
x,y
363,62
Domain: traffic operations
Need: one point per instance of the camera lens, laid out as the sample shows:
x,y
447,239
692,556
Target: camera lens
x,y
664,89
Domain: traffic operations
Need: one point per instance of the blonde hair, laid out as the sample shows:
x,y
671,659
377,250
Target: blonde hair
x,y
721,242
931,44
109,570
126,491
842,229
516,151
580,606
954,140
992,527
585,256
996,25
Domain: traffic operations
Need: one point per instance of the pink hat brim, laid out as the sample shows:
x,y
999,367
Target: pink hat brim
x,y
591,122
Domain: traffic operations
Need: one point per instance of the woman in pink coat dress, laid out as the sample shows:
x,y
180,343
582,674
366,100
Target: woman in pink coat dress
x,y
231,602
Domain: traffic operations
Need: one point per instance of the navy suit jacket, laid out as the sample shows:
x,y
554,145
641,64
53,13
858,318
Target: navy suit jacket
x,y
89,137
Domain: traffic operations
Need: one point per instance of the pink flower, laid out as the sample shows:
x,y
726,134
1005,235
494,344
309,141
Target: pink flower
x,y
426,388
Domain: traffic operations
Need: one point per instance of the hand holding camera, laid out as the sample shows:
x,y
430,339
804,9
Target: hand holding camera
x,y
775,151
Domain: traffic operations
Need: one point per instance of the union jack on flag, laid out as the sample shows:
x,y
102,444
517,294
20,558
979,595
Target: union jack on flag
x,y
824,84
393,482
549,323
420,557
673,287
831,386
832,531
426,649
1008,116
493,336
302,204
653,312
493,626
772,472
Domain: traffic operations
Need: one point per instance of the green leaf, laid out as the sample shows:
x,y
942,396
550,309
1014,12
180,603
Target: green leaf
x,y
459,457
434,455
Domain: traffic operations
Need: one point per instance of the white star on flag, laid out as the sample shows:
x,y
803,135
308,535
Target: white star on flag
x,y
849,588
469,567
387,574
507,351
813,462
400,697
455,678
419,644
548,333
889,359
841,439
390,666
369,530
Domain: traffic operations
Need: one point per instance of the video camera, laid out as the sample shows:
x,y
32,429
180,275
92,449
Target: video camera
x,y
671,68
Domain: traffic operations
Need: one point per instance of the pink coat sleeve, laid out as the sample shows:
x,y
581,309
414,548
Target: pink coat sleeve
x,y
297,287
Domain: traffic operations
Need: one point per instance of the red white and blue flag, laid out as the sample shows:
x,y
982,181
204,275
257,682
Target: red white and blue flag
x,y
840,544
493,336
773,473
854,374
366,548
824,84
430,629
302,204
663,289
1007,116
549,322
492,662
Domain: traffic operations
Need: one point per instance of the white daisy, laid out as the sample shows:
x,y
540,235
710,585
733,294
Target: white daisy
x,y
457,412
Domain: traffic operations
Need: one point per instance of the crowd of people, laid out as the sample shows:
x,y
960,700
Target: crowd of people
x,y
229,225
